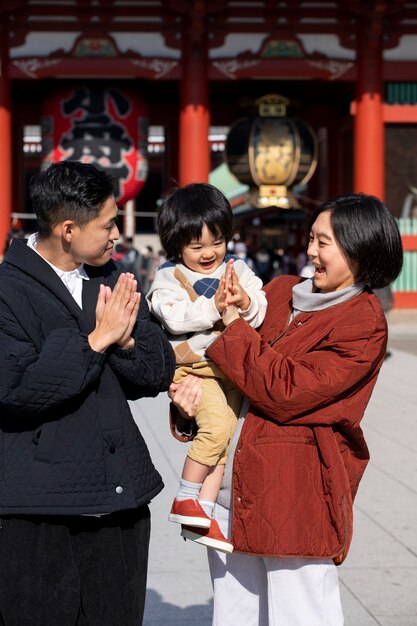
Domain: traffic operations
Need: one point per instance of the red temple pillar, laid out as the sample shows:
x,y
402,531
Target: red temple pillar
x,y
5,141
194,122
369,146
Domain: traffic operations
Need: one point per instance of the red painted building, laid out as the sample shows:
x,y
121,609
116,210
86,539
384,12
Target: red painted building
x,y
348,69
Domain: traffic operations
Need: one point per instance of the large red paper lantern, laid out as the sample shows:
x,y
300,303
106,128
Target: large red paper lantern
x,y
104,126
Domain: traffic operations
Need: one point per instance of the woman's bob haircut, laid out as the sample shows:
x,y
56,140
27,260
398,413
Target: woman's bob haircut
x,y
184,212
366,232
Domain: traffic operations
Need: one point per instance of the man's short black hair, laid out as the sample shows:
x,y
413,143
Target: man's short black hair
x,y
366,232
69,190
186,210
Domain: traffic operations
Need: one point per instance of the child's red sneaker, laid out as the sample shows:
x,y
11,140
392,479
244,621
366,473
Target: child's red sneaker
x,y
189,512
211,537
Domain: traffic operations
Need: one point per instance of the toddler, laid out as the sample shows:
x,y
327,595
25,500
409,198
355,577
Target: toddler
x,y
188,295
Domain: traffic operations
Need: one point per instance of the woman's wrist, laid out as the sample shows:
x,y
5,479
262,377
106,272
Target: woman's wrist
x,y
230,314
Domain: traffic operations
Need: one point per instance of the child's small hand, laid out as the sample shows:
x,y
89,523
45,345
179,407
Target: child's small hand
x,y
228,273
235,293
220,295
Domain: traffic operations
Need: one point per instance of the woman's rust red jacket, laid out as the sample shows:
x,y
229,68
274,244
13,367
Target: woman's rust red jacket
x,y
301,453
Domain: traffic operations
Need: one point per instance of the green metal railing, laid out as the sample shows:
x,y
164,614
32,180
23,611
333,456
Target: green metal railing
x,y
401,93
407,280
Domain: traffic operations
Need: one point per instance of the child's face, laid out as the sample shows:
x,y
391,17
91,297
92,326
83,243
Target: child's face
x,y
332,270
206,254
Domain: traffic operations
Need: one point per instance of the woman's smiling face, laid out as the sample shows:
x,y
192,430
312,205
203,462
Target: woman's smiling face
x,y
333,270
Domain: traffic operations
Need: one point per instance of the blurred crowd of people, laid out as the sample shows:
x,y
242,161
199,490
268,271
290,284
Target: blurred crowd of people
x,y
264,261
268,262
143,263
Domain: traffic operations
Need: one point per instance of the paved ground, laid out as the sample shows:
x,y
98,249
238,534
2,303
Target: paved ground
x,y
403,330
379,577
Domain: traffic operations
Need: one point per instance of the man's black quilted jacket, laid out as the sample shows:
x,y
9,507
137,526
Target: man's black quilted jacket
x,y
68,442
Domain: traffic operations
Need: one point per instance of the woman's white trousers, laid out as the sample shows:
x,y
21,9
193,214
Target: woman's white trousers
x,y
258,591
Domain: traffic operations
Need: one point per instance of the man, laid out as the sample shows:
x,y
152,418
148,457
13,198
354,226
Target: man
x,y
76,342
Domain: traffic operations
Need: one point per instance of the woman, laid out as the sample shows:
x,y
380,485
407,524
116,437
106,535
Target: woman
x,y
307,374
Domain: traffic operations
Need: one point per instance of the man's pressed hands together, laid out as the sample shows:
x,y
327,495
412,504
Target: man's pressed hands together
x,y
116,314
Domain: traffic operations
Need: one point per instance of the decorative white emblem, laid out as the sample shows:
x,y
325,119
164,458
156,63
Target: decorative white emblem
x,y
335,68
229,68
31,67
159,66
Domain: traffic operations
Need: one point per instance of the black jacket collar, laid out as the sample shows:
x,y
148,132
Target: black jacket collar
x,y
20,255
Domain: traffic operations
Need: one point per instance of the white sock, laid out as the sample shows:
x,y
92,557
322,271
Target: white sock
x,y
188,490
208,507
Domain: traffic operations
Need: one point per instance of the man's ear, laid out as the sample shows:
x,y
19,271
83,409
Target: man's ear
x,y
67,229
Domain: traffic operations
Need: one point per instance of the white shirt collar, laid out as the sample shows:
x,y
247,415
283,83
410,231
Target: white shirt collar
x,y
72,279
32,242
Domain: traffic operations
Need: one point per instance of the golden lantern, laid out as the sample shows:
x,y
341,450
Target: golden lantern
x,y
272,152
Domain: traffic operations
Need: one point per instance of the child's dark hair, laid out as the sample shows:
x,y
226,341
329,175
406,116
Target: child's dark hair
x,y
69,190
185,210
367,232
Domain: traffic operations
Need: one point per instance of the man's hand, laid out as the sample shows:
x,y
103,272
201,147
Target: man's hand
x,y
127,341
186,395
116,314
